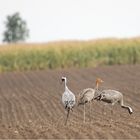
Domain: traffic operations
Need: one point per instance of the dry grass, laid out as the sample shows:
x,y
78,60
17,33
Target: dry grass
x,y
65,54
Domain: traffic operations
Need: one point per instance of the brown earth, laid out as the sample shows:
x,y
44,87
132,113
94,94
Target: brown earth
x,y
30,104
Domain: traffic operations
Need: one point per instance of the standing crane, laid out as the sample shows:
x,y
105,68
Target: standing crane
x,y
89,94
68,98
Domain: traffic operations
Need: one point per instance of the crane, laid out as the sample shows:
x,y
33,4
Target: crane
x,y
113,97
89,94
68,98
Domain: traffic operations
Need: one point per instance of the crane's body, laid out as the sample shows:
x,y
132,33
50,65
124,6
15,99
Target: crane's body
x,y
68,99
113,97
86,96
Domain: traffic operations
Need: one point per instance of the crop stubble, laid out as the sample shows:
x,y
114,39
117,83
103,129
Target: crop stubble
x,y
30,104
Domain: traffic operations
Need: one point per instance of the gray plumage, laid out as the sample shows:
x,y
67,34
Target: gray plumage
x,y
112,97
88,94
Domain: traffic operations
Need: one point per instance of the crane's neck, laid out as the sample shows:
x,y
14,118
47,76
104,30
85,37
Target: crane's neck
x,y
97,85
65,84
127,107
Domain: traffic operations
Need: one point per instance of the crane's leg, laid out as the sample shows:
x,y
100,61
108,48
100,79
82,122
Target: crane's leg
x,y
112,112
103,110
90,110
84,113
67,116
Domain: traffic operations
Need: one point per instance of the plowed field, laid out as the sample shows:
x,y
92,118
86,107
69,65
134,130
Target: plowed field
x,y
30,104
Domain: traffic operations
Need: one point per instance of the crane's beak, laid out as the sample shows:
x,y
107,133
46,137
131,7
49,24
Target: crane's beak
x,y
99,97
102,81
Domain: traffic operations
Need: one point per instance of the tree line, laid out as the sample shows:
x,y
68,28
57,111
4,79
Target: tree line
x,y
15,29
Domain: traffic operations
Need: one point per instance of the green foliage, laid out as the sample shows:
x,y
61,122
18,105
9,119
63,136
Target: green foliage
x,y
16,29
66,55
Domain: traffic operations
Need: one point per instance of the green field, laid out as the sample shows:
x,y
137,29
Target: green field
x,y
65,54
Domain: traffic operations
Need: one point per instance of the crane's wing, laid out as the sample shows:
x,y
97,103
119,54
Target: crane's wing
x,y
87,94
111,93
68,99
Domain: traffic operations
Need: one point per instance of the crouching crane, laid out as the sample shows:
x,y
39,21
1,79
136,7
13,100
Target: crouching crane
x,y
113,96
68,98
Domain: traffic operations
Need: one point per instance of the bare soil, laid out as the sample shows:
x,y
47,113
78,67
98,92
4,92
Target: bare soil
x,y
31,107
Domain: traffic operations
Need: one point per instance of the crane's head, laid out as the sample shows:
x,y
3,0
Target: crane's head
x,y
64,79
99,81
